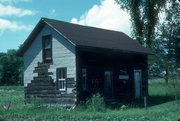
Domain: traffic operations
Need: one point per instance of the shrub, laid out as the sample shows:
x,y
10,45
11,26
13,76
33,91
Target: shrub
x,y
96,103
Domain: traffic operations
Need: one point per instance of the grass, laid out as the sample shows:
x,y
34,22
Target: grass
x,y
161,108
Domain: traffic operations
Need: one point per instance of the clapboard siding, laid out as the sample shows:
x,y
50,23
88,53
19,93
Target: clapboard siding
x,y
31,57
63,56
63,53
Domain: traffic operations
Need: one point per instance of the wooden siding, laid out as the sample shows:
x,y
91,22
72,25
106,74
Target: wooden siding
x,y
44,87
63,54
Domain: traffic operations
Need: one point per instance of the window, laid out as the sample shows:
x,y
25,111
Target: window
x,y
123,76
61,79
84,78
47,48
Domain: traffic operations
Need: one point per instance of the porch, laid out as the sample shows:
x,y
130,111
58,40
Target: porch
x,y
115,75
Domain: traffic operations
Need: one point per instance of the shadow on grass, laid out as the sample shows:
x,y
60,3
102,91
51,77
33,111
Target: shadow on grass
x,y
156,100
151,101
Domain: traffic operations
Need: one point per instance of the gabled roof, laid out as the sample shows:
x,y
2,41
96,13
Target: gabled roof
x,y
80,35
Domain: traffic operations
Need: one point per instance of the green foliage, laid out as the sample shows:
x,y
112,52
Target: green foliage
x,y
167,44
96,103
175,87
168,36
144,18
159,89
161,111
11,68
37,102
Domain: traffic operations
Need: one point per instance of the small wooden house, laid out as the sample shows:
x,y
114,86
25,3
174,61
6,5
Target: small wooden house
x,y
65,63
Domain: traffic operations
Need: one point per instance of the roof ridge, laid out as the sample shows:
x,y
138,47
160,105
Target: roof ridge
x,y
43,18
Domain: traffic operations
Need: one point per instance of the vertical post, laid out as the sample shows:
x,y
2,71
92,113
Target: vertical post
x,y
145,103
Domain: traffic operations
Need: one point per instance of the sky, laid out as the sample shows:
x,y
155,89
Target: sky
x,y
19,17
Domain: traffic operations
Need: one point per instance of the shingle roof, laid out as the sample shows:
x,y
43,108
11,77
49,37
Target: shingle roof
x,y
89,36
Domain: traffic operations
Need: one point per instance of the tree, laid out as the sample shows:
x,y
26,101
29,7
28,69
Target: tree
x,y
10,68
144,18
168,40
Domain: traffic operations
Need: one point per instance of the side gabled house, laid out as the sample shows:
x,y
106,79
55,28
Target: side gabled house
x,y
65,63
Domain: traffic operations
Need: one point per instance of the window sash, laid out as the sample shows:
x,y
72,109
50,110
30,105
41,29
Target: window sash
x,y
47,48
47,54
62,84
61,79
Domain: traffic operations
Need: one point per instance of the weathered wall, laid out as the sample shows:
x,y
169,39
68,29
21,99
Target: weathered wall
x,y
97,61
63,53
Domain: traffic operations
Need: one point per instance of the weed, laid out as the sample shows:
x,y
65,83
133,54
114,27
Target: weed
x,y
96,103
162,108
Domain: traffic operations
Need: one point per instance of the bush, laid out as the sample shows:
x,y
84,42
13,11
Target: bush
x,y
96,103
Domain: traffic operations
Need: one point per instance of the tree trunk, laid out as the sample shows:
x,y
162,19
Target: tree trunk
x,y
167,76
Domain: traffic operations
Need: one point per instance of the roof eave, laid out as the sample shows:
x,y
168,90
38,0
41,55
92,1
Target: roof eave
x,y
117,50
59,32
30,38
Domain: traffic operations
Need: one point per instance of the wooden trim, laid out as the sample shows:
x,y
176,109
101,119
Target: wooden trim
x,y
59,32
78,91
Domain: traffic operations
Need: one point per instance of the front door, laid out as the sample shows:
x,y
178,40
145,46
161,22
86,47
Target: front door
x,y
137,83
108,83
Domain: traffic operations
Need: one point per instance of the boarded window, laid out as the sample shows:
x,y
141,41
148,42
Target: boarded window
x,y
61,78
47,48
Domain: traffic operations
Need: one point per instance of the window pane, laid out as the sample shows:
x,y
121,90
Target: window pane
x,y
62,73
47,48
47,44
47,53
61,84
61,78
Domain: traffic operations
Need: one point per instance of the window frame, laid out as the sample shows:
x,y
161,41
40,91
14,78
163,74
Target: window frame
x,y
64,79
44,49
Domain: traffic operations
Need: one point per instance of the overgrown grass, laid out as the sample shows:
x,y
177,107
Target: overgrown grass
x,y
160,109
159,89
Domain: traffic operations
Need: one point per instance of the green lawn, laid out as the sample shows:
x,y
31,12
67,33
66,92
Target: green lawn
x,y
161,108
